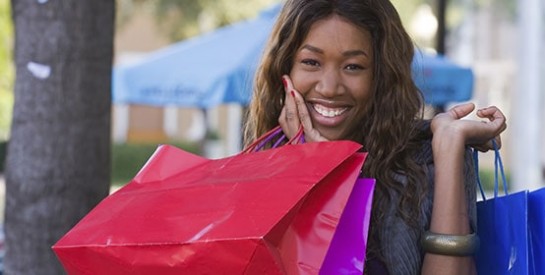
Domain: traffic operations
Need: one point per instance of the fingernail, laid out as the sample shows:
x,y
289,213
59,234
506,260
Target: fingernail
x,y
284,82
292,93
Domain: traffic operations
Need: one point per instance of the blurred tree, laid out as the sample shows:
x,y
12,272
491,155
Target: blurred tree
x,y
407,8
58,159
181,19
6,69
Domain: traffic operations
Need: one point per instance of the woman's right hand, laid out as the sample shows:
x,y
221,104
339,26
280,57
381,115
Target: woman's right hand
x,y
295,114
478,134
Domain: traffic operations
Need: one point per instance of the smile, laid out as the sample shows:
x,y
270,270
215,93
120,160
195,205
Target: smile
x,y
328,112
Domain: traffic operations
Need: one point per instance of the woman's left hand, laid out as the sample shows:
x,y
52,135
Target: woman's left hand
x,y
478,134
295,114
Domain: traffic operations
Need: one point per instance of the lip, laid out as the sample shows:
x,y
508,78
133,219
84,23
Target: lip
x,y
329,114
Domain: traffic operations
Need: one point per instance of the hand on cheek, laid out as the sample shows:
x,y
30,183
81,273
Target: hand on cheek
x,y
295,114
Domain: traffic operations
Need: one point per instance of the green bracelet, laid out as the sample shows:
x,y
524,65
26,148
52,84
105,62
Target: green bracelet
x,y
450,245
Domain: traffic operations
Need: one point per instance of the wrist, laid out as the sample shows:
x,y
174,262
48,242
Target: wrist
x,y
447,138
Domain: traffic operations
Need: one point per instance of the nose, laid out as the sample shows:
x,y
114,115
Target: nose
x,y
329,84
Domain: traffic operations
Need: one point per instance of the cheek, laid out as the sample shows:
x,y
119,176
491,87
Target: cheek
x,y
301,82
361,90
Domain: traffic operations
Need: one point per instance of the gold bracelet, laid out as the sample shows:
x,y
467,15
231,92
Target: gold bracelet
x,y
450,245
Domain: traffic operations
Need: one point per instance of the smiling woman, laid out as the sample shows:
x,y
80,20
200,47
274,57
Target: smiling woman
x,y
342,70
333,71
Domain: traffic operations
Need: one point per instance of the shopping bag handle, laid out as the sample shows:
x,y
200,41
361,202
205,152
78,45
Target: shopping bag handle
x,y
277,133
498,168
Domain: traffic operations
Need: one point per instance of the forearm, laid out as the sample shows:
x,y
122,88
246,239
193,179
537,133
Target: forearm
x,y
449,212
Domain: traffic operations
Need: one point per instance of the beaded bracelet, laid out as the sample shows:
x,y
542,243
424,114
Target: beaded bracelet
x,y
450,245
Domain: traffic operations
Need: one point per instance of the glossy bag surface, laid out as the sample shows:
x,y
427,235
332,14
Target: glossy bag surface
x,y
536,219
346,254
267,212
511,228
503,230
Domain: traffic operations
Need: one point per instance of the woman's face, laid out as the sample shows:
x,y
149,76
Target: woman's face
x,y
333,70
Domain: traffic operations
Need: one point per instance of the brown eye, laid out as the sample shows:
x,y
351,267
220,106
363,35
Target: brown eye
x,y
354,67
310,62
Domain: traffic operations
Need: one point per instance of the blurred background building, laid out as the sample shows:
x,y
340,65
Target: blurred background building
x,y
491,37
501,41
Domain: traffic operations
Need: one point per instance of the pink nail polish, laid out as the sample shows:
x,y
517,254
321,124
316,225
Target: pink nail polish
x,y
292,93
284,82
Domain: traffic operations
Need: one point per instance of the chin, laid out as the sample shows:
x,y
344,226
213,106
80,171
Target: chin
x,y
331,134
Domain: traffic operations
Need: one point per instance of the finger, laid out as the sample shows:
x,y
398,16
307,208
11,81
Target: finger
x,y
497,139
303,114
495,116
302,109
492,113
311,134
289,119
482,148
287,123
488,145
460,111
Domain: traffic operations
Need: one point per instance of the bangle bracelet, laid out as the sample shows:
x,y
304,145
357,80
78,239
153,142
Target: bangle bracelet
x,y
450,245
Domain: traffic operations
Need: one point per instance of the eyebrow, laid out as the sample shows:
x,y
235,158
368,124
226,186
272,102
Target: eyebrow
x,y
347,53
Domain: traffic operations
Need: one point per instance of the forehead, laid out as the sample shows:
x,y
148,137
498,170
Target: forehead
x,y
339,31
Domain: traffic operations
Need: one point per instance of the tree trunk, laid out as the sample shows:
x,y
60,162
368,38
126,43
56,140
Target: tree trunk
x,y
58,159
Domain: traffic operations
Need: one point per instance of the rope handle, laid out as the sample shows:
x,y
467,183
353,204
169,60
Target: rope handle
x,y
498,170
269,136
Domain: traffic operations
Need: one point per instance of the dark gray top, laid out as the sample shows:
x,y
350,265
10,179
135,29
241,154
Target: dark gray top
x,y
401,243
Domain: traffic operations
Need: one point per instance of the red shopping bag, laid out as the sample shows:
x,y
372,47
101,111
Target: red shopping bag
x,y
268,212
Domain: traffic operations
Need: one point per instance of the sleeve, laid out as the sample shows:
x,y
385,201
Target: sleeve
x,y
470,181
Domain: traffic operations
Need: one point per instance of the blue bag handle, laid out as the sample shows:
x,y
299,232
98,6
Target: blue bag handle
x,y
498,168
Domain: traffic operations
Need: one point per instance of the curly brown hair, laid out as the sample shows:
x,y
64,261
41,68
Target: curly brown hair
x,y
389,131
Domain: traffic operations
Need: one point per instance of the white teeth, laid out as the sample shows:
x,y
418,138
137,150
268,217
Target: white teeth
x,y
329,112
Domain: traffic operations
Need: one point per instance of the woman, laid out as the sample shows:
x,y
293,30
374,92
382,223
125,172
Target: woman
x,y
342,70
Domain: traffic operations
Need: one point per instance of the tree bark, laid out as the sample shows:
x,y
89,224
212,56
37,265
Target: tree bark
x,y
58,159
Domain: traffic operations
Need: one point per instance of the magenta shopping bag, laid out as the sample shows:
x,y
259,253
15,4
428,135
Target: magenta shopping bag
x,y
346,253
347,250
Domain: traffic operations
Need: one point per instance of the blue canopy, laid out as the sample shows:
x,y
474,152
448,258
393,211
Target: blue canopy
x,y
440,80
218,68
204,71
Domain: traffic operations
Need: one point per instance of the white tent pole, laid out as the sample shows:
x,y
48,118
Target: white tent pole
x,y
234,129
121,122
526,112
170,121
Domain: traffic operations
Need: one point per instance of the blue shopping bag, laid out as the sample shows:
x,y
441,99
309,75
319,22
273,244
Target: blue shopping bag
x,y
536,219
511,228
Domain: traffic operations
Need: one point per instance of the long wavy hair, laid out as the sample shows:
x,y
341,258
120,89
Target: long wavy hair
x,y
389,129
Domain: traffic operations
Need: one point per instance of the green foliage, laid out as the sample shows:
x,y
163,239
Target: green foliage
x,y
181,19
127,159
487,179
6,68
406,9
